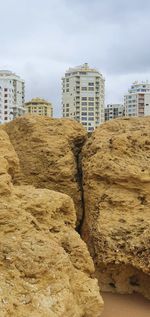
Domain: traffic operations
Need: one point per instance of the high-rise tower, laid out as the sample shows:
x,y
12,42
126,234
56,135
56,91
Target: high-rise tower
x,y
83,94
12,95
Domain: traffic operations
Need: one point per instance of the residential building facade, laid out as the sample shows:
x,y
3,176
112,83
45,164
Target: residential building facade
x,y
113,111
83,96
137,101
40,107
12,96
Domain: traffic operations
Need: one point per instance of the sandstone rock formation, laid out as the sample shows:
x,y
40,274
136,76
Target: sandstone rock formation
x,y
116,169
45,268
9,163
48,153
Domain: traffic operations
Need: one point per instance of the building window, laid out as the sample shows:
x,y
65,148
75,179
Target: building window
x,y
84,88
84,118
84,98
91,113
84,103
91,88
84,113
91,84
91,98
91,118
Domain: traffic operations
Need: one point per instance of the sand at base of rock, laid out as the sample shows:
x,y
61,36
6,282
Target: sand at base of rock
x,y
125,305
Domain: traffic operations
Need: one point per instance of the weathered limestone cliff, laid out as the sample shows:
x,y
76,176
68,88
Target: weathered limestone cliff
x,y
48,153
116,169
45,267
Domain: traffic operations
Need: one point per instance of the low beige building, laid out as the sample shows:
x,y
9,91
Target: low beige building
x,y
39,106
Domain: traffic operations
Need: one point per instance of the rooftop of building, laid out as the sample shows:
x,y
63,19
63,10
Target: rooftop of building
x,y
38,101
137,83
8,73
141,87
82,68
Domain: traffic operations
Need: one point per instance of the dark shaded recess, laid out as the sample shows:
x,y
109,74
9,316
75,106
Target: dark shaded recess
x,y
112,285
134,281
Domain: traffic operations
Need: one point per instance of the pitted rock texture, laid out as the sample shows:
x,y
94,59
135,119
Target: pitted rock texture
x,y
41,273
116,181
45,267
9,163
48,151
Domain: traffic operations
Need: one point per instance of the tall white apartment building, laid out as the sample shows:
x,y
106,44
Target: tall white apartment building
x,y
113,111
83,95
137,101
12,94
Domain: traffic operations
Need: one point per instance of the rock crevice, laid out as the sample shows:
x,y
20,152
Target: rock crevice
x,y
45,267
53,179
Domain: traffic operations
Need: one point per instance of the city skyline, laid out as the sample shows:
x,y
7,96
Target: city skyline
x,y
111,36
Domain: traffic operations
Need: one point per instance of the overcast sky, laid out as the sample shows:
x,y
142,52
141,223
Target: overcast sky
x,y
41,39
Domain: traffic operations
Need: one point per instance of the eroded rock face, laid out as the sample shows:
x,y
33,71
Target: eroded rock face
x,y
9,163
45,267
116,168
43,273
48,153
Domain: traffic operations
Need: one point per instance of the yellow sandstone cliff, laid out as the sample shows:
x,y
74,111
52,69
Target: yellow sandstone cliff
x,y
116,178
48,151
45,267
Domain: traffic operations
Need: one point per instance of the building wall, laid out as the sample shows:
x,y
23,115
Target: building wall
x,y
137,101
11,96
113,111
40,107
83,92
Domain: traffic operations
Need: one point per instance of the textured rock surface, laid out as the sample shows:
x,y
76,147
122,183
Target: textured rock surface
x,y
45,268
9,163
48,153
116,168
